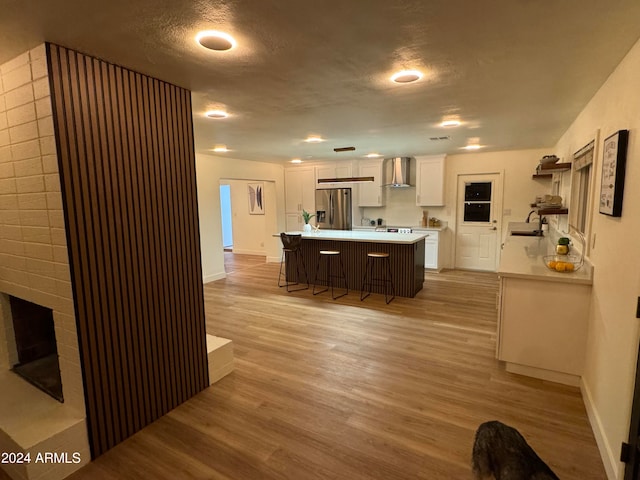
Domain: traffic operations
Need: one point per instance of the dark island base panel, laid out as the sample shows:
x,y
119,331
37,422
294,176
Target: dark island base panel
x,y
407,263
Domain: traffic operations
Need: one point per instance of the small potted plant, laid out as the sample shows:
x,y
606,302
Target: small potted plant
x,y
306,216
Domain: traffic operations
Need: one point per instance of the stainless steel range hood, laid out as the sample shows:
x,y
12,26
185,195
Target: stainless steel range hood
x,y
397,173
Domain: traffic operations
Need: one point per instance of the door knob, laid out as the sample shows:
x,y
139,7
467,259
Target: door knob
x,y
493,228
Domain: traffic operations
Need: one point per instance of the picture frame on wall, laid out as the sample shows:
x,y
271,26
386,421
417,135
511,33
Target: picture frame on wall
x,y
614,159
256,198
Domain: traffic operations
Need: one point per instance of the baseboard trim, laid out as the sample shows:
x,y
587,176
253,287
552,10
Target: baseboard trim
x,y
239,251
612,466
214,277
543,374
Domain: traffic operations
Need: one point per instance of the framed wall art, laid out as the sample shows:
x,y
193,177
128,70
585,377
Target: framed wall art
x,y
614,159
256,198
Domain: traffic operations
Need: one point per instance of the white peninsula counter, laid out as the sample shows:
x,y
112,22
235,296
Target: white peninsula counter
x,y
542,320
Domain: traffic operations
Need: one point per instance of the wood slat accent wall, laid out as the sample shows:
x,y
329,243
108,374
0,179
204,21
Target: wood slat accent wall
x,y
127,167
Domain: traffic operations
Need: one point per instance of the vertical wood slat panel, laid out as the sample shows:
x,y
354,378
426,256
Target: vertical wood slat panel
x,y
124,184
407,267
119,264
127,168
90,200
156,198
102,206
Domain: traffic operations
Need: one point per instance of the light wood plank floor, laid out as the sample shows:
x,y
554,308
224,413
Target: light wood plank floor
x,y
345,389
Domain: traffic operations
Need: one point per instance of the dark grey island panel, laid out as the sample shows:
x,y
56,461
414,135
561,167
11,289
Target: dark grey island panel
x,y
406,259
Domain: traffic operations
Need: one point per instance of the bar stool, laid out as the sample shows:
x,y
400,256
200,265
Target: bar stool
x,y
291,252
330,257
386,280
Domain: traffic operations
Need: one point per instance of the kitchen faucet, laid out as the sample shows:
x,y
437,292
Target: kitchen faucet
x,y
538,231
529,216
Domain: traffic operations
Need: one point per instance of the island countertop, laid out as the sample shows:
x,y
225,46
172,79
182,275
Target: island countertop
x,y
362,236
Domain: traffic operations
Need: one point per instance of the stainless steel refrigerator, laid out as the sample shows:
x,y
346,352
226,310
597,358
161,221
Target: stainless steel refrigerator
x,y
333,208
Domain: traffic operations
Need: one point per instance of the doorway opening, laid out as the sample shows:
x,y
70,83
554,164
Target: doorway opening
x,y
225,217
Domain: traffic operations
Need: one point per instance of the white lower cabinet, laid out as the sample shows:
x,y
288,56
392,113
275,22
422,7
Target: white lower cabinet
x,y
542,328
434,249
431,250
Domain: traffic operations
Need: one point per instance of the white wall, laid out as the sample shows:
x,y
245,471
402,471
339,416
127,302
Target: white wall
x,y
613,330
210,170
250,232
520,189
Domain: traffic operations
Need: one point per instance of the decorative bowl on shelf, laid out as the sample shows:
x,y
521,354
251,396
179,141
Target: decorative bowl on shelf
x,y
549,159
563,263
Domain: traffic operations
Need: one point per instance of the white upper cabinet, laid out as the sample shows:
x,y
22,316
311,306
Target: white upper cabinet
x,y
299,194
370,193
430,180
332,170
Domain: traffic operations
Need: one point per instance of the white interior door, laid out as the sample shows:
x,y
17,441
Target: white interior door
x,y
479,214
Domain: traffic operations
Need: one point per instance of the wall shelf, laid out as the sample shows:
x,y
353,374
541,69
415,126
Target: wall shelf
x,y
541,176
553,211
550,168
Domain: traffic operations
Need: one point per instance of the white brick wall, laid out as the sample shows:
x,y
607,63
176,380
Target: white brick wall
x,y
34,262
33,254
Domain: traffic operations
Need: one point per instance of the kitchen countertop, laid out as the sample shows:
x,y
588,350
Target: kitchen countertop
x,y
362,236
412,227
522,257
430,229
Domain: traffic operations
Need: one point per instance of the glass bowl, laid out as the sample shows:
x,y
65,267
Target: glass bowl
x,y
563,263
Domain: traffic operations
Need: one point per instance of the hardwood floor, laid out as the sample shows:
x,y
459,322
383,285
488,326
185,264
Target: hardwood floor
x,y
345,389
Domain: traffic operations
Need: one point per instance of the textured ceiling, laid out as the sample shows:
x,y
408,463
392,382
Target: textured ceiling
x,y
516,72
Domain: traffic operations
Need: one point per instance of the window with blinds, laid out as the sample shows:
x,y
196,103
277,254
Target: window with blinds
x,y
581,185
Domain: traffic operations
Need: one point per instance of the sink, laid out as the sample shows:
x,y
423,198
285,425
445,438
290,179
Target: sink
x,y
525,233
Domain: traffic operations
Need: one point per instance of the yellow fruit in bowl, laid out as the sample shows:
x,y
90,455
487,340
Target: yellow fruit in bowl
x,y
560,266
552,264
569,267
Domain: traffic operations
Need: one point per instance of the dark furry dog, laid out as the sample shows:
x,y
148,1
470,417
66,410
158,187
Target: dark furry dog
x,y
501,451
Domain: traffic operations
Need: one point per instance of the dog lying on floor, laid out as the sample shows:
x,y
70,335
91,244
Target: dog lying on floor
x,y
501,451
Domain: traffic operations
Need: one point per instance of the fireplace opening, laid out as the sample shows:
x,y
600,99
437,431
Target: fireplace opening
x,y
36,346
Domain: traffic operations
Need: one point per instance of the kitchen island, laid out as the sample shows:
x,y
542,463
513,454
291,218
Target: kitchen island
x,y
406,255
542,321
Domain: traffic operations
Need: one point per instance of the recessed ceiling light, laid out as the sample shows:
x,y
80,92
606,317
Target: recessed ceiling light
x,y
314,139
217,114
373,155
214,40
220,148
406,76
473,147
296,160
450,123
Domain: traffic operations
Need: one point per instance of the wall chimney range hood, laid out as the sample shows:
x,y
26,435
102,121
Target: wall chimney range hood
x,y
398,177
